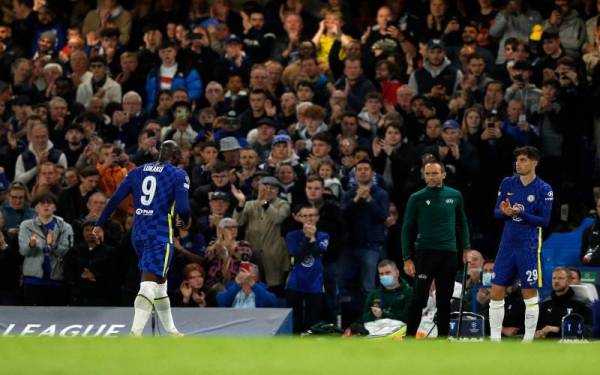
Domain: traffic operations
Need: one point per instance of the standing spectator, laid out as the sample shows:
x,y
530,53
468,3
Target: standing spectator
x,y
354,84
516,20
263,218
89,270
109,12
304,291
434,228
365,207
100,85
571,27
171,75
522,89
40,150
72,201
437,77
44,241
16,208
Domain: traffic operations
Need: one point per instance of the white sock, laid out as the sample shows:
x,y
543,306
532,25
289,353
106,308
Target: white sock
x,y
143,306
532,312
163,308
496,319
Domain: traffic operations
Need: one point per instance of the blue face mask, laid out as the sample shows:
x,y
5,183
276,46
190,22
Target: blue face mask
x,y
386,280
486,279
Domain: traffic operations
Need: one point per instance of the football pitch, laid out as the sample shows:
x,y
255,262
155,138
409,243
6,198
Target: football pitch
x,y
257,356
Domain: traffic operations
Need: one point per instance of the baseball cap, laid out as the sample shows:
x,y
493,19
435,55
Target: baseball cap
x,y
266,121
270,180
435,43
281,138
219,195
450,124
233,39
231,118
229,144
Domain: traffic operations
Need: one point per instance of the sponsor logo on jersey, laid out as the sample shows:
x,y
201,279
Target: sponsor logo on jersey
x,y
186,184
450,201
550,196
144,212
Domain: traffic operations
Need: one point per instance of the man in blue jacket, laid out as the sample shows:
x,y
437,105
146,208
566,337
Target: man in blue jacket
x,y
170,76
365,208
304,291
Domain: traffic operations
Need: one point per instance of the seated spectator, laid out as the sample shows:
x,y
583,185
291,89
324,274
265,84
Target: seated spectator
x,y
89,270
192,291
44,241
94,206
100,85
560,303
246,292
391,300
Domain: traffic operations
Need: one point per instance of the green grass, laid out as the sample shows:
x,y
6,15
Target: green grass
x,y
290,356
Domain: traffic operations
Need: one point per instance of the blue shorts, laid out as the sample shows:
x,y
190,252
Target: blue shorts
x,y
154,257
521,263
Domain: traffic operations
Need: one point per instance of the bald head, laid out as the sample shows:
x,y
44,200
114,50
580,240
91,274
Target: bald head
x,y
169,152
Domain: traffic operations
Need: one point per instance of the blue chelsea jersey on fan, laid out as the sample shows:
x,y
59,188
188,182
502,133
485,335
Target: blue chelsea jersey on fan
x,y
535,201
160,190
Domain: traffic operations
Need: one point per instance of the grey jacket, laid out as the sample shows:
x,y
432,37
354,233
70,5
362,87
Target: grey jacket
x,y
34,257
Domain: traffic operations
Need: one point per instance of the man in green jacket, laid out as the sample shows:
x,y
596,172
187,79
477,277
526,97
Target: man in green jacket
x,y
392,299
434,227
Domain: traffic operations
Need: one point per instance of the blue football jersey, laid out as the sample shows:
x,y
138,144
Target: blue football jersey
x,y
160,191
535,201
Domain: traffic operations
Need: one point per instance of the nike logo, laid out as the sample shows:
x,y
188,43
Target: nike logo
x,y
509,193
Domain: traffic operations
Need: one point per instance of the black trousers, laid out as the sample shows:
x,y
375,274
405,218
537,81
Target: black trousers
x,y
38,295
307,309
433,265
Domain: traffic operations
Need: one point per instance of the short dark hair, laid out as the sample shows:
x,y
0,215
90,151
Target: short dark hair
x,y
98,59
303,205
88,171
529,151
43,198
364,161
219,167
315,177
324,137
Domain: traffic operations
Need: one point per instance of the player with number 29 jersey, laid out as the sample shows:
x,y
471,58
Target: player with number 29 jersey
x,y
160,191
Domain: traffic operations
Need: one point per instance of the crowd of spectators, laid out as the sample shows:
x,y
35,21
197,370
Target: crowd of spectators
x,y
304,127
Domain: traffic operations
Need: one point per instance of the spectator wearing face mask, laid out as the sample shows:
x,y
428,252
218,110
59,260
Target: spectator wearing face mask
x,y
391,299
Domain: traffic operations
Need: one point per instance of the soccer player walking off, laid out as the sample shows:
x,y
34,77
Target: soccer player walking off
x,y
525,204
160,192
